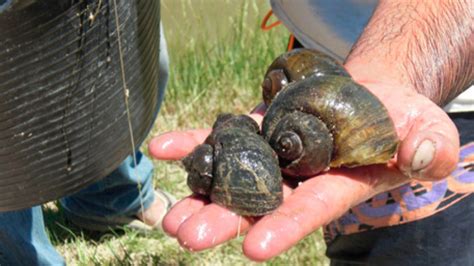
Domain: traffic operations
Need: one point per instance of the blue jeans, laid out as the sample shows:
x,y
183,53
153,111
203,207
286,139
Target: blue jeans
x,y
23,239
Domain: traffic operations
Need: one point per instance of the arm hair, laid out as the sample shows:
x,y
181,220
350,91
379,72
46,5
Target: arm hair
x,y
425,44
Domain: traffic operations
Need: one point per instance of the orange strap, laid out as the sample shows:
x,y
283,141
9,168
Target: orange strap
x,y
265,20
264,26
291,42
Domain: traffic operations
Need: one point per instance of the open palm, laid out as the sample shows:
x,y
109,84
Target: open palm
x,y
428,151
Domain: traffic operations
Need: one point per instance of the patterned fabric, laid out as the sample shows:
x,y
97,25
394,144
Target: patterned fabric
x,y
410,202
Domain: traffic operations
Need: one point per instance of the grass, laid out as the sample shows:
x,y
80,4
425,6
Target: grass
x,y
218,57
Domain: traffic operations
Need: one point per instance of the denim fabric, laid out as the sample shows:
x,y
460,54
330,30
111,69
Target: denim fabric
x,y
118,194
23,239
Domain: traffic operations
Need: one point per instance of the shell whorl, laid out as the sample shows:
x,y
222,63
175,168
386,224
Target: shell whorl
x,y
288,145
296,139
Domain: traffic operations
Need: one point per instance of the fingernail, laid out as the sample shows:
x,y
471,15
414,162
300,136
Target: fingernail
x,y
423,156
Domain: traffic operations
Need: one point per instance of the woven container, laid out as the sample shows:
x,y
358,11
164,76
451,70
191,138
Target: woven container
x,y
63,115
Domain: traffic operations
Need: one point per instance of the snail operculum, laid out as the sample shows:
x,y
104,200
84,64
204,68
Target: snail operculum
x,y
346,116
245,176
296,65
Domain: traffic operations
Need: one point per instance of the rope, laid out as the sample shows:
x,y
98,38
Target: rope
x,y
126,93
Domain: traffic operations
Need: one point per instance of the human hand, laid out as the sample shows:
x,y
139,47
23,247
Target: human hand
x,y
428,151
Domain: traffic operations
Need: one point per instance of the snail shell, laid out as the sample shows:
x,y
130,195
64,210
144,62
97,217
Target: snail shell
x,y
296,65
236,167
326,120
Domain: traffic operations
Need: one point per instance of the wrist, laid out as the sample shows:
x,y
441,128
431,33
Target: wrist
x,y
374,71
400,98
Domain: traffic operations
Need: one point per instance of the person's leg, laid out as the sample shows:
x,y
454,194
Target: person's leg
x,y
127,190
122,193
23,239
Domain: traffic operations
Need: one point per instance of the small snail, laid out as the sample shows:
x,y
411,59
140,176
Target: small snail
x,y
296,65
236,167
318,117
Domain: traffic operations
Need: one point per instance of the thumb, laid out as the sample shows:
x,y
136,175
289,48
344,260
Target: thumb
x,y
176,144
430,150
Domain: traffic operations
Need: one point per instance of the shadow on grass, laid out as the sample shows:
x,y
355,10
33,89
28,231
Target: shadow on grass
x,y
61,230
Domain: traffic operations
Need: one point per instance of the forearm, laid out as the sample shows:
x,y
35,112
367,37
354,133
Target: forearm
x,y
427,46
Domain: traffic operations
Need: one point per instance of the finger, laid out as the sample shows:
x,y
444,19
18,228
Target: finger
x,y
259,109
213,225
430,151
176,144
181,211
315,203
257,117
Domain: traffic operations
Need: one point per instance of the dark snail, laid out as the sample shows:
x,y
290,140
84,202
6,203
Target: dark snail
x,y
322,118
297,65
236,168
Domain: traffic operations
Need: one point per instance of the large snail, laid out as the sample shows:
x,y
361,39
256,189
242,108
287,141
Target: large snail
x,y
321,118
236,167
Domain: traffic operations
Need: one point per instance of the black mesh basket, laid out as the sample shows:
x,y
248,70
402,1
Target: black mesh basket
x,y
63,117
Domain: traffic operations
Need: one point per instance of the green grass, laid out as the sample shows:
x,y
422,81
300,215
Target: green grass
x,y
218,57
221,73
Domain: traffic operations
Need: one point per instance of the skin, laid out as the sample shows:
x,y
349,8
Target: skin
x,y
153,214
429,140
